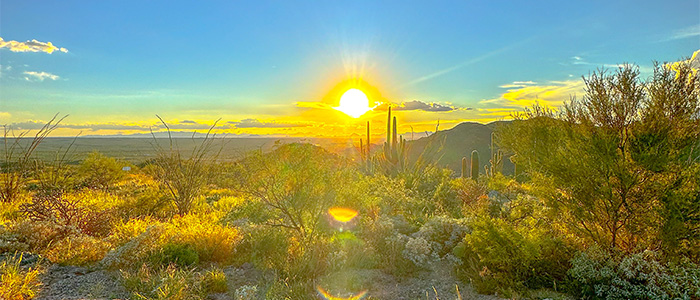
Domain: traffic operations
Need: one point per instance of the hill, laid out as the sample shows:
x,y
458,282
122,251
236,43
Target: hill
x,y
459,142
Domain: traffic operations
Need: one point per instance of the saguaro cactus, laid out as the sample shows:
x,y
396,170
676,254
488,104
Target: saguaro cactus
x,y
475,165
464,167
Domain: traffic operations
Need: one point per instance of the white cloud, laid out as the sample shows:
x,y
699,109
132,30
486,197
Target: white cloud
x,y
690,31
517,84
39,76
30,46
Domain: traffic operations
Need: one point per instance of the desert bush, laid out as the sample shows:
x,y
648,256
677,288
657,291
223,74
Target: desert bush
x,y
246,292
167,282
16,282
441,234
211,241
386,236
501,257
77,250
214,281
296,182
100,171
469,191
348,251
90,212
178,254
141,196
184,177
123,232
607,274
39,235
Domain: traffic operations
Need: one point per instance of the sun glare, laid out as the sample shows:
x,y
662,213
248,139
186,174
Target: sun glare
x,y
354,103
342,214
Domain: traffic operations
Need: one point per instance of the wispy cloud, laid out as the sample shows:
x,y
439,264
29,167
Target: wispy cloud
x,y
4,115
551,94
517,84
683,33
254,123
30,46
39,76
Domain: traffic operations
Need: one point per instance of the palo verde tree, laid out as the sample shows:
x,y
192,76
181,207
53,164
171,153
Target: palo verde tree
x,y
297,183
617,156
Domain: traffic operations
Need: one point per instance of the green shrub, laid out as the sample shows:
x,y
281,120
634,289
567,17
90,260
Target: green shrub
x,y
600,274
501,257
100,171
179,254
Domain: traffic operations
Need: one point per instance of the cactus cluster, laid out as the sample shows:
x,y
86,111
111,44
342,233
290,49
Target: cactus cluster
x,y
395,145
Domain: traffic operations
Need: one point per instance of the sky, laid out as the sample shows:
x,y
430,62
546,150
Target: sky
x,y
249,68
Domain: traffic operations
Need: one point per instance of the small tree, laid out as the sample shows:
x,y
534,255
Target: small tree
x,y
296,182
613,154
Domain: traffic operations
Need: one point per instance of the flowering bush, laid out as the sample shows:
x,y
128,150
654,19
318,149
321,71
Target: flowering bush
x,y
599,274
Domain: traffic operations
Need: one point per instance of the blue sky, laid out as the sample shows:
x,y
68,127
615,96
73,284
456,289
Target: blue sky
x,y
257,63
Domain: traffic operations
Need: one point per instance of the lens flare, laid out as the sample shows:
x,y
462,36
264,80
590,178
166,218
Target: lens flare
x,y
342,214
328,296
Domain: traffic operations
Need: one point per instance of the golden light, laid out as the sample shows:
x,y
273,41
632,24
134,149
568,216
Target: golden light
x,y
342,214
328,296
354,103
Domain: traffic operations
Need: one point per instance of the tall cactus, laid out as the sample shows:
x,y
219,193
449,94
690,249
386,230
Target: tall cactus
x,y
464,167
496,160
362,151
395,147
475,165
368,157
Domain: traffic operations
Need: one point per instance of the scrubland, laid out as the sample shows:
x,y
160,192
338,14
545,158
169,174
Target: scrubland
x,y
604,204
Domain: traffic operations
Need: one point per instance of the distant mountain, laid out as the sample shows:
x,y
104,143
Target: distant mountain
x,y
459,142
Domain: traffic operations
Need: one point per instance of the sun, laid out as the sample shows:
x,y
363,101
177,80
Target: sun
x,y
354,103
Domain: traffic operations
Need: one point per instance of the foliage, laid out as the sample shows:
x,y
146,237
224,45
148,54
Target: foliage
x,y
201,233
613,153
512,246
101,172
16,282
88,211
178,254
297,184
600,274
140,196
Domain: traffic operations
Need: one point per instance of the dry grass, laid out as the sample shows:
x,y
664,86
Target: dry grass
x,y
16,283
